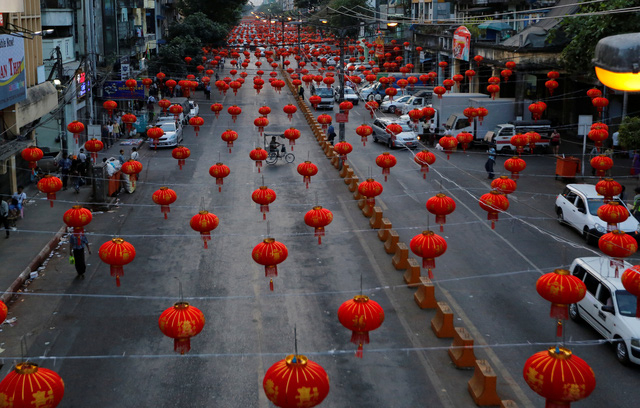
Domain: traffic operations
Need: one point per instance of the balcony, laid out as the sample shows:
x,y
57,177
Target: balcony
x,y
56,13
66,48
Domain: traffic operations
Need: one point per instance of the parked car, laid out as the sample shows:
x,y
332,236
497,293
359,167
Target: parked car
x,y
172,134
194,109
577,207
607,306
407,138
349,95
397,104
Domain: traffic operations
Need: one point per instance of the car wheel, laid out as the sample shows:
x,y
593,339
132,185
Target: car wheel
x,y
375,139
392,109
622,354
574,313
560,216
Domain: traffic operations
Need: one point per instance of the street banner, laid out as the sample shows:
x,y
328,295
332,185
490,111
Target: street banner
x,y
118,90
461,43
13,79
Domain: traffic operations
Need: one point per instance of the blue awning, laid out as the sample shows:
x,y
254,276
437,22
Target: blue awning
x,y
495,25
159,17
161,41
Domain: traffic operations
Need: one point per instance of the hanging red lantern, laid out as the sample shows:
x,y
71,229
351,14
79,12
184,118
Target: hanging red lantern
x,y
235,85
598,135
307,170
441,205
161,76
77,217
613,213
519,141
493,90
370,189
315,100
181,322
494,80
471,113
464,138
594,93
415,115
196,122
76,128
3,312
132,168
50,185
537,109
219,171
439,90
229,136
630,280
428,246
386,161
131,84
561,289
345,107
129,119
553,75
110,106
391,92
164,197
170,83
551,85
504,185
481,112
217,108
617,245
515,165
292,134
506,73
165,103
296,382
533,139
478,59
600,103
559,377
448,143
458,78
318,218
155,133
428,113
360,315
117,253
263,196
425,159
261,122
371,106
28,385
608,188
343,149
93,146
448,84
234,111
510,65
289,110
264,111
269,253
470,74
181,154
258,155
601,164
494,203
364,131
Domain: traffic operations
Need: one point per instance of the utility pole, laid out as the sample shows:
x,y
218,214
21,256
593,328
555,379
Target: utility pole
x,y
62,135
341,130
282,54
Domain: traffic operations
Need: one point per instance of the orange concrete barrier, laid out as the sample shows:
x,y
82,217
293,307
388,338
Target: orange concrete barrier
x,y
335,161
508,404
348,176
345,169
353,184
482,385
425,295
367,210
383,231
391,244
442,322
376,219
362,202
357,196
461,351
401,259
412,275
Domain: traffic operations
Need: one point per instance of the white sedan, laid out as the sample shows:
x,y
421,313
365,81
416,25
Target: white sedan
x,y
397,104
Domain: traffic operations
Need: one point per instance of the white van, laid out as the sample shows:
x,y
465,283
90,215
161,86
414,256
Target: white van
x,y
327,96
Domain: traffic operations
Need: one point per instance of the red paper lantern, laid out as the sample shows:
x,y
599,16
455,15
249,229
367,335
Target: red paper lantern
x,y
219,171
165,103
110,106
370,189
170,83
551,85
425,159
494,80
391,92
261,122
155,133
561,289
204,222
613,213
448,84
292,134
519,141
534,138
617,245
229,136
608,188
50,185
289,110
553,75
117,253
464,138
481,112
448,143
3,312
601,164
470,113
515,165
504,185
77,217
510,65
598,135
428,113
493,90
264,110
494,203
478,59
386,161
343,149
428,246
315,100
415,115
296,382
506,73
360,315
307,170
558,376
181,154
600,103
329,81
258,155
630,280
161,76
196,122
164,197
263,196
371,106
129,119
235,85
269,253
439,90
441,205
132,168
131,84
470,74
594,93
364,131
76,128
93,146
181,322
346,106
318,218
31,386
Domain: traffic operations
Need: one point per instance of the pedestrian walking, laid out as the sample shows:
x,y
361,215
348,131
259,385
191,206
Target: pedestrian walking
x,y
77,242
301,92
134,153
4,216
432,132
117,131
82,163
554,142
104,134
21,197
207,91
121,157
635,209
491,161
331,134
110,140
65,169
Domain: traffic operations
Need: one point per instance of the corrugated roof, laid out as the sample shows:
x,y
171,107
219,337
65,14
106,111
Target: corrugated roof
x,y
532,35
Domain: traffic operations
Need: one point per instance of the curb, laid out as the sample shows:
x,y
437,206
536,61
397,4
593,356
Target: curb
x,y
33,265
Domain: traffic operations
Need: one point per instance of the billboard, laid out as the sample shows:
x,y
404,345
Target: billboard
x,y
118,90
13,78
461,43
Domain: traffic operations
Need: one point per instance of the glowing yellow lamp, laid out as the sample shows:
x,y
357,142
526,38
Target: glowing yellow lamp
x,y
617,61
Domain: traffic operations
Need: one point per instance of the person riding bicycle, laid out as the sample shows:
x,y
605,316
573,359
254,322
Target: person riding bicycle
x,y
273,145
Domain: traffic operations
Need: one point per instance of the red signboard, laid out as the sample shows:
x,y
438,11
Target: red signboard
x,y
342,118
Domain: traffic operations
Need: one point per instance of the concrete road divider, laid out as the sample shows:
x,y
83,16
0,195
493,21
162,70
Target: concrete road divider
x,y
425,295
348,176
400,260
391,244
442,322
335,161
383,232
344,171
412,275
461,351
376,219
482,385
353,185
367,210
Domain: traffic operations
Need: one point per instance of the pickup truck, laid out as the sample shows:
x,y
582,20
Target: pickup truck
x,y
327,96
504,132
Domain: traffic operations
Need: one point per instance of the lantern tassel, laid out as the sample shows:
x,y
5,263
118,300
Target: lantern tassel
x,y
428,263
430,273
182,345
165,209
51,197
359,351
271,285
559,328
559,311
270,271
117,271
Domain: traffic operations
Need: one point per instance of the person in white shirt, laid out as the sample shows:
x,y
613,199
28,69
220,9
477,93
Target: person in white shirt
x,y
134,153
615,141
20,196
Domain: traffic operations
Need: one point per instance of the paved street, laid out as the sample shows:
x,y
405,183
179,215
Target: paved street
x,y
105,343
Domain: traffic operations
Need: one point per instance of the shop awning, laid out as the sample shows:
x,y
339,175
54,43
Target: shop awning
x,y
495,25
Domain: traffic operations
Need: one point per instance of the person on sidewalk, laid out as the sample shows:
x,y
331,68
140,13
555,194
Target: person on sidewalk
x,y
77,242
134,153
554,142
110,140
4,216
491,161
331,134
21,197
116,131
635,210
301,92
121,157
104,135
65,168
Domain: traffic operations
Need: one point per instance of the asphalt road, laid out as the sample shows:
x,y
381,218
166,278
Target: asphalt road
x,y
112,354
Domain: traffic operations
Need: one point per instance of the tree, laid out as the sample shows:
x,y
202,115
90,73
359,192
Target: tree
x,y
347,15
197,25
226,12
585,32
630,133
271,9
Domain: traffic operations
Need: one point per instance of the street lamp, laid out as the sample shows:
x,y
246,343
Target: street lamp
x,y
617,61
392,24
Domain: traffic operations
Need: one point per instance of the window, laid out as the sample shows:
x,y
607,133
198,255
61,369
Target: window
x,y
579,272
591,283
580,205
604,296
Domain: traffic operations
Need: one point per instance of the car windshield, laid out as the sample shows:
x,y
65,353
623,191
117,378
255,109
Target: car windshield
x,y
405,126
349,91
168,127
595,203
324,92
626,303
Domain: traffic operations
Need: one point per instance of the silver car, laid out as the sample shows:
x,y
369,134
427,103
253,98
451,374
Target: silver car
x,y
407,138
172,134
397,104
349,95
